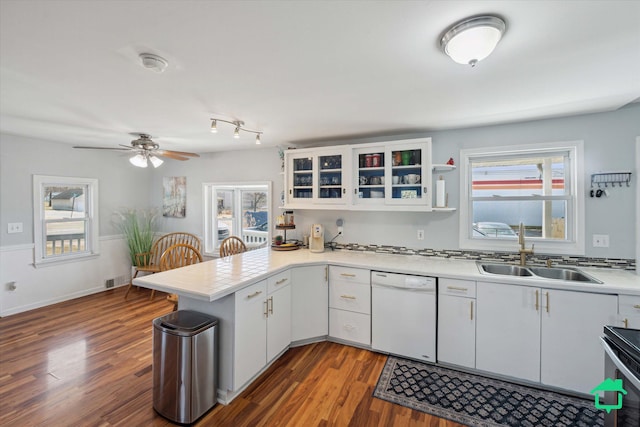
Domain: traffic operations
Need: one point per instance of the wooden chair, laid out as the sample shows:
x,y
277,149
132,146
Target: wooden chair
x,y
232,245
149,262
176,256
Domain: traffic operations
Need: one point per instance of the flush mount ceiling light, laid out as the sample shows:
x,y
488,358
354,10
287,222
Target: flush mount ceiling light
x,y
473,39
239,127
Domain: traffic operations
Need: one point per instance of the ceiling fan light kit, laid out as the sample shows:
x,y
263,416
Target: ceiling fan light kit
x,y
146,150
473,39
239,124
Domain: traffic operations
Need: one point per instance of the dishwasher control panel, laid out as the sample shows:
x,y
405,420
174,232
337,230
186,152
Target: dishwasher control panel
x,y
403,280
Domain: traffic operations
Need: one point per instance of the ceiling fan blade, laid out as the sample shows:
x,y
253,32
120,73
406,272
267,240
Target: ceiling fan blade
x,y
102,148
180,153
168,154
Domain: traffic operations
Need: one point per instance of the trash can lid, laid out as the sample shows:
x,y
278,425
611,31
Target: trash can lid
x,y
187,320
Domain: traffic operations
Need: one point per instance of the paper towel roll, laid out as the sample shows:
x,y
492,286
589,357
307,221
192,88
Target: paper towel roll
x,y
440,193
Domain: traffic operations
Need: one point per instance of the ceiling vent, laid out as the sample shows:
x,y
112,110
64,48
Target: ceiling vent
x,y
153,62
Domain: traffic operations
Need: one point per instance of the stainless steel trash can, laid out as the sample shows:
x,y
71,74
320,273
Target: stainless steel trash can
x,y
184,365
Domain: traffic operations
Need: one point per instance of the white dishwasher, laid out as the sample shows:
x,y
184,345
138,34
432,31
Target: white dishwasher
x,y
403,315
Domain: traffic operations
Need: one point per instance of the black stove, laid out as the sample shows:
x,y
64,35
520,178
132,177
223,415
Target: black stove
x,y
627,340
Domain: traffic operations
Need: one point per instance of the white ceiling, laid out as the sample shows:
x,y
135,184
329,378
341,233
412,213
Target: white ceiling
x,y
301,71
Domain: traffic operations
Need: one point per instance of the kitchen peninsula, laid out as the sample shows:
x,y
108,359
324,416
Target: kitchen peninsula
x,y
275,299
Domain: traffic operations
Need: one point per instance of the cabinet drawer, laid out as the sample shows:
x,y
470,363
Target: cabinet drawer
x,y
357,275
350,326
350,296
257,292
461,288
629,305
278,281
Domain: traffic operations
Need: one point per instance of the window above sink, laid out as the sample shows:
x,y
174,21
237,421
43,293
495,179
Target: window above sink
x,y
540,185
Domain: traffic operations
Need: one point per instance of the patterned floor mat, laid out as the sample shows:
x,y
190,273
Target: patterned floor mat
x,y
479,401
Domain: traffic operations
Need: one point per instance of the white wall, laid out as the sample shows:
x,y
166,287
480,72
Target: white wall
x,y
610,143
259,164
609,140
120,185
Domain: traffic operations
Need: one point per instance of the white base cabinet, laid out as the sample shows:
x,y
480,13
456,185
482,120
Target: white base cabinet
x,y
250,332
262,325
542,335
350,304
310,302
457,322
629,309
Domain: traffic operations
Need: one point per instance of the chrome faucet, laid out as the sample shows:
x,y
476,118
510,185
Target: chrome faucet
x,y
523,251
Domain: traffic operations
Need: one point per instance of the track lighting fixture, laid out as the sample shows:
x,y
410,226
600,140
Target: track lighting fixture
x,y
236,132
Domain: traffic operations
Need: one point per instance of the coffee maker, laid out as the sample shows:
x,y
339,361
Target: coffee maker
x,y
316,240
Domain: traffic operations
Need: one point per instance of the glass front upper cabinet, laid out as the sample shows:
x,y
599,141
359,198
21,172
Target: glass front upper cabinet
x,y
410,174
316,176
392,174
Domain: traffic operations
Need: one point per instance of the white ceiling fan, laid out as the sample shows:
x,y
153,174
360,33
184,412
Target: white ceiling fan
x,y
146,151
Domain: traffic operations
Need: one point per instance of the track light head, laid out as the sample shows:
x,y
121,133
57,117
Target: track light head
x,y
236,133
258,142
214,126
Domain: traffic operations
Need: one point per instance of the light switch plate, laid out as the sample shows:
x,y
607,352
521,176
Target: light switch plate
x,y
600,240
14,227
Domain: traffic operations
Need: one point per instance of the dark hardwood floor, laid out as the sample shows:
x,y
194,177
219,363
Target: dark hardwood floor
x,y
87,362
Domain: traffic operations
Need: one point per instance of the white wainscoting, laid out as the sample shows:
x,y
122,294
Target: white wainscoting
x,y
39,287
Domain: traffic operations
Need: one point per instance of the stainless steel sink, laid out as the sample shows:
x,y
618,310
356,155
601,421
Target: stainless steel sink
x,y
570,274
553,273
505,269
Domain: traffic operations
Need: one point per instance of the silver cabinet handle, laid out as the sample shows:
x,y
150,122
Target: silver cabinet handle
x,y
255,294
347,296
281,281
347,275
270,305
637,306
471,311
456,288
547,301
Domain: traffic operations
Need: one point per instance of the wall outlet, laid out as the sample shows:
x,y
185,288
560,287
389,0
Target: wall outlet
x,y
420,234
600,240
14,227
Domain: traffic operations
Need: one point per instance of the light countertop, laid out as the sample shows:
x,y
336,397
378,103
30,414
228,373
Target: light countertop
x,y
215,279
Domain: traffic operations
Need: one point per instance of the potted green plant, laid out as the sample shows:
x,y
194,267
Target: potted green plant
x,y
139,228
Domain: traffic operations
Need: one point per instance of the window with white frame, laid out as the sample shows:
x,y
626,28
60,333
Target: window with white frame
x,y
65,218
242,209
540,186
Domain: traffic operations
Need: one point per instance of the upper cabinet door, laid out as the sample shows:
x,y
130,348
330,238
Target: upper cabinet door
x,y
409,172
316,176
300,176
369,179
332,178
